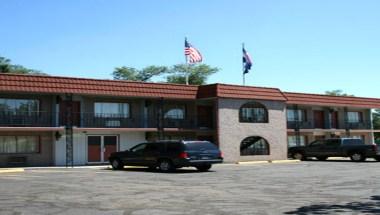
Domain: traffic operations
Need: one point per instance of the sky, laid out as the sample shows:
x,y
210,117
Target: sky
x,y
298,46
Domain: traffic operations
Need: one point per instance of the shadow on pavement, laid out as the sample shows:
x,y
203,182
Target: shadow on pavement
x,y
143,169
372,206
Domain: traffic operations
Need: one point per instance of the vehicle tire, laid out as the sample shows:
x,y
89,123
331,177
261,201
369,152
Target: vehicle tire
x,y
117,164
357,157
299,156
322,158
204,168
165,165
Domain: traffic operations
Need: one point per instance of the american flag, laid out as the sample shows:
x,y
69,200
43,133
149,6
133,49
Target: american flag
x,y
193,54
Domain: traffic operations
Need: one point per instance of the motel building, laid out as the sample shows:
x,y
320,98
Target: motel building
x,y
58,121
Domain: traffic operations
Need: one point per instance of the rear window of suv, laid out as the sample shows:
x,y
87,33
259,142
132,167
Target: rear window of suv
x,y
200,145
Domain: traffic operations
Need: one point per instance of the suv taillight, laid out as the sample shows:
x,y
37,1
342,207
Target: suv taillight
x,y
183,155
221,154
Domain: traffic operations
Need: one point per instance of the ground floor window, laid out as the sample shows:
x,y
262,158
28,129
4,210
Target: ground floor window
x,y
19,144
292,140
254,145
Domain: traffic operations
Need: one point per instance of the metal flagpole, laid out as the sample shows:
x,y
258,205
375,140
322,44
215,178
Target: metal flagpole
x,y
243,66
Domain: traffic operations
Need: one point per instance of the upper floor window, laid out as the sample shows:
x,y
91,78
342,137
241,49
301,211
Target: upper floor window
x,y
103,109
296,115
253,112
175,112
19,106
354,117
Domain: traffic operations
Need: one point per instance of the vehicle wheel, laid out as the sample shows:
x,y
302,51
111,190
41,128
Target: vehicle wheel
x,y
204,168
357,157
165,165
322,158
117,164
299,156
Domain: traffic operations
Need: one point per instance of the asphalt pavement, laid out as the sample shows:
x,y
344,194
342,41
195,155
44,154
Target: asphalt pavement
x,y
312,187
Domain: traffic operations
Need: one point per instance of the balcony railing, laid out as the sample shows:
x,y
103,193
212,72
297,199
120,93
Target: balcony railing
x,y
300,124
359,125
26,119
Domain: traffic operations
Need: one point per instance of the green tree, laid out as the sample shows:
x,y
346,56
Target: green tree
x,y
197,74
376,122
132,74
7,67
337,93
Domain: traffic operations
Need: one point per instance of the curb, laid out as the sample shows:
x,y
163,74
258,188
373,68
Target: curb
x,y
12,170
267,162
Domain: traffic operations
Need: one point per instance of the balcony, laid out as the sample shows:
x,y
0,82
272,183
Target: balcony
x,y
26,119
300,124
365,125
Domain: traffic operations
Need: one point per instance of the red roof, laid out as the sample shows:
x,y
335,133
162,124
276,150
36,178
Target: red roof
x,y
51,84
326,100
85,86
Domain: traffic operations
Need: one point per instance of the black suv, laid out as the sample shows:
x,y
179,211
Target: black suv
x,y
169,155
338,147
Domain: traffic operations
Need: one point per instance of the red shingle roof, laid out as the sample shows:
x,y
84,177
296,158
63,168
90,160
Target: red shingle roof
x,y
50,84
326,100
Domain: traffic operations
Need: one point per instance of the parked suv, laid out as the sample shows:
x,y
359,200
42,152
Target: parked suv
x,y
169,155
338,147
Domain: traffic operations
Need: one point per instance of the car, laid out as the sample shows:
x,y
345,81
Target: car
x,y
377,142
354,148
169,155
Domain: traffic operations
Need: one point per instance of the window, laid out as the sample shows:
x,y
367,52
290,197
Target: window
x,y
254,146
19,144
293,115
354,117
253,112
175,112
117,110
19,106
139,148
292,141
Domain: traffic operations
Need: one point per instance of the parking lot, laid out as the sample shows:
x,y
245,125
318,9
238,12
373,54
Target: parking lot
x,y
312,187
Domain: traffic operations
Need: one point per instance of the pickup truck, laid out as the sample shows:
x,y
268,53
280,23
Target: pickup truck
x,y
337,147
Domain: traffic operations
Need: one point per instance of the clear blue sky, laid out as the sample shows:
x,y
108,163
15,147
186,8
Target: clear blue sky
x,y
297,45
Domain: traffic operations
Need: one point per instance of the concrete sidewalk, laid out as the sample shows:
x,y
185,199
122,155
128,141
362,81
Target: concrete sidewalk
x,y
11,170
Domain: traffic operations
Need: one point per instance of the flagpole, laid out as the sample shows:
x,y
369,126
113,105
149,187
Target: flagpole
x,y
243,66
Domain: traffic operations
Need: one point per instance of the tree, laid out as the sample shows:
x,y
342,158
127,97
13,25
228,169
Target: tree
x,y
197,74
7,67
132,74
376,122
337,93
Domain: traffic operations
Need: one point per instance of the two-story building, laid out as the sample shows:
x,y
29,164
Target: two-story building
x,y
46,120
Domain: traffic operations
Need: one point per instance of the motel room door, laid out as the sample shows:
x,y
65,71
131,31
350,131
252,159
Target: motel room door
x,y
100,147
319,119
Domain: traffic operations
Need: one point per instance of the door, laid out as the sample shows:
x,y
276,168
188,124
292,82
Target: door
x,y
332,147
205,116
334,119
64,106
319,119
100,147
315,148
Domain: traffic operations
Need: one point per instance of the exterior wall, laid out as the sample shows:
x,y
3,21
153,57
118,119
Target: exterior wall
x,y
43,158
126,141
232,132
